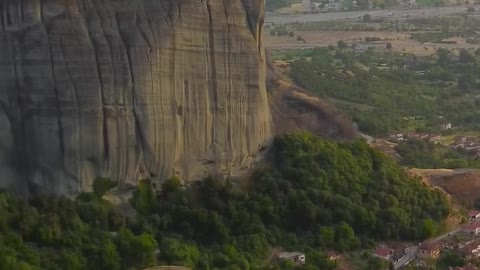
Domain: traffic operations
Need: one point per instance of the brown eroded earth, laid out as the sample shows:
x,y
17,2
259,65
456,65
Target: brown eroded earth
x,y
463,185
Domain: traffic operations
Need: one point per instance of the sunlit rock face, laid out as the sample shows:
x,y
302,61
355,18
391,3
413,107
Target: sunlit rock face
x,y
129,89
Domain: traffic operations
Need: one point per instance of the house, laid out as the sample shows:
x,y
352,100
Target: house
x,y
333,256
384,253
296,257
397,137
471,251
463,239
473,214
446,126
435,138
400,250
429,250
448,244
472,228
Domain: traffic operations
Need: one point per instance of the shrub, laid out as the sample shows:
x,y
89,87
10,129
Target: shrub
x,y
102,185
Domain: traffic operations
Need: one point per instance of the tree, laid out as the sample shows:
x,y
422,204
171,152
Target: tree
x,y
466,57
466,82
452,259
144,198
108,256
173,184
477,51
341,44
367,18
345,237
374,263
443,57
102,185
429,228
471,9
326,237
137,251
389,46
176,252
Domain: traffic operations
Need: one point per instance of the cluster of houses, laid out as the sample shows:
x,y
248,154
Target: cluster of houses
x,y
395,253
470,144
398,137
469,248
464,242
299,258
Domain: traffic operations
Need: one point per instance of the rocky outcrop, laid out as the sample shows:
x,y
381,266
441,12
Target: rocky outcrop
x,y
129,89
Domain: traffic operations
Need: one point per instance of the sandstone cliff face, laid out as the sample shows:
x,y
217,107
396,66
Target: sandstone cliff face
x,y
129,89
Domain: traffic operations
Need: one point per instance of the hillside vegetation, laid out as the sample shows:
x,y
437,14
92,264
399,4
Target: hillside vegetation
x,y
313,195
385,91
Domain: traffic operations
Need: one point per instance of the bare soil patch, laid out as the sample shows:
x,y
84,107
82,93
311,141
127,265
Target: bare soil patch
x,y
462,185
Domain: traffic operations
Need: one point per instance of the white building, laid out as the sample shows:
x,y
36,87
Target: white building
x,y
296,257
446,126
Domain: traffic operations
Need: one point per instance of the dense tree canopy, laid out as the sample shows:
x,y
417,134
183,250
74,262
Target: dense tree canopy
x,y
313,195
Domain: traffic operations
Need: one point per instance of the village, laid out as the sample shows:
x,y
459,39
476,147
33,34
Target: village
x,y
469,144
463,242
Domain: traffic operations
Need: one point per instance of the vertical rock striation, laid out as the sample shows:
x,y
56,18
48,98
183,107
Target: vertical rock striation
x,y
129,89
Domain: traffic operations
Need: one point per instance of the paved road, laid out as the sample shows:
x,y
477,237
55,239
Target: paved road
x,y
393,14
407,258
443,236
413,250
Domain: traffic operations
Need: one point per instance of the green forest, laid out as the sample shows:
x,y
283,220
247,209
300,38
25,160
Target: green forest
x,y
313,195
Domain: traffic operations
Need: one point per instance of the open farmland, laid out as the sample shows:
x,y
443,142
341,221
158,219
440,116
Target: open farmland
x,y
401,42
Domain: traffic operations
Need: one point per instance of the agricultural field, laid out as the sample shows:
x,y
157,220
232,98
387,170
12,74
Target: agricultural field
x,y
417,31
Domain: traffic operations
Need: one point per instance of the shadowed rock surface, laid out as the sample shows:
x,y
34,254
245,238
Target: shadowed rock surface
x,y
129,89
295,109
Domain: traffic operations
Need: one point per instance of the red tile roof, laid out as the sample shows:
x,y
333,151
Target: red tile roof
x,y
383,252
473,212
472,226
429,246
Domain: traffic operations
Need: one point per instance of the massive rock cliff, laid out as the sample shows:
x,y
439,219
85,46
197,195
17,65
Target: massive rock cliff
x,y
129,89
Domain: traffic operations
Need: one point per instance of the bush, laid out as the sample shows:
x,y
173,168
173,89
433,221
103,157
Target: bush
x,y
102,185
372,39
367,18
173,184
144,198
466,57
341,44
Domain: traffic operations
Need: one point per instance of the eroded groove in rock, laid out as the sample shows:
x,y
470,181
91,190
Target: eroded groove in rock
x,y
128,89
